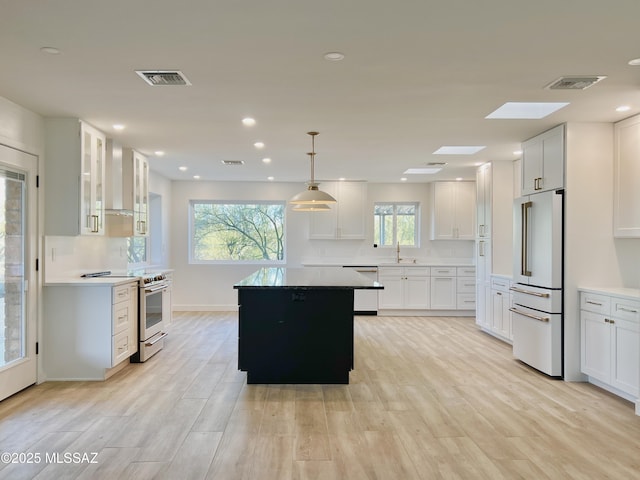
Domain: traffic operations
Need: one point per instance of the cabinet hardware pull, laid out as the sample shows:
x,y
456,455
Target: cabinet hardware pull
x,y
535,317
593,303
95,223
611,322
606,320
498,293
535,294
627,310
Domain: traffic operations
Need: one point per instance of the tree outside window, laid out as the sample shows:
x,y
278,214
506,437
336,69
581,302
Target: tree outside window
x,y
395,223
249,232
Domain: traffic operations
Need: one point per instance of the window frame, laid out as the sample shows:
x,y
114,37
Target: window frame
x,y
395,205
191,231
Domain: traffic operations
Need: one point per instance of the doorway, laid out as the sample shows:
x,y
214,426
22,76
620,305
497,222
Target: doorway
x,y
18,281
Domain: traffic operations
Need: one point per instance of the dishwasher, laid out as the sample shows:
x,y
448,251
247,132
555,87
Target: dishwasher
x,y
365,302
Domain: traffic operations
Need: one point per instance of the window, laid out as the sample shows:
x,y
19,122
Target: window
x,y
136,251
395,223
237,232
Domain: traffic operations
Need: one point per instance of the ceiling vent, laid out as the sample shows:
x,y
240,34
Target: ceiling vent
x,y
157,78
233,162
575,83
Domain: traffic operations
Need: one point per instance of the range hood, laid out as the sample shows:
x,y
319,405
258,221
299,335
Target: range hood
x,y
118,218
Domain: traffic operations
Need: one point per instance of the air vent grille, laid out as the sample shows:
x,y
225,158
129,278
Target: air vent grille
x,y
575,83
233,162
157,78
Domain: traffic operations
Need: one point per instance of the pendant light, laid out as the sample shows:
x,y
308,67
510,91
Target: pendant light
x,y
312,196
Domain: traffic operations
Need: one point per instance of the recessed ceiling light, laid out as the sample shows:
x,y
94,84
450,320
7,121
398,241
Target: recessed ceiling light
x,y
249,122
270,178
403,179
422,171
258,145
266,160
197,177
183,169
50,50
459,179
118,126
517,152
334,56
158,153
458,150
635,62
623,108
342,179
526,110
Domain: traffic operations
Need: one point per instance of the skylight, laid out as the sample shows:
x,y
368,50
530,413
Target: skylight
x,y
526,110
422,170
458,150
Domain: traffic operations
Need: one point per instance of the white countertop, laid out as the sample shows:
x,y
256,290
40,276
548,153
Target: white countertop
x,y
89,282
629,293
384,262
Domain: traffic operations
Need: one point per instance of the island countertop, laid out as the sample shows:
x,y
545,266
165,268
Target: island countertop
x,y
309,277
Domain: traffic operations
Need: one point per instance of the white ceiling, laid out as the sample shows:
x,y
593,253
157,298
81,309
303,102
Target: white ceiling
x,y
418,74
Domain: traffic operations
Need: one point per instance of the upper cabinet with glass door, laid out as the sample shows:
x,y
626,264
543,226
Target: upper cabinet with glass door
x,y
75,166
135,168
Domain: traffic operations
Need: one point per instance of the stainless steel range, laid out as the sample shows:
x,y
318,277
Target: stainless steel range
x,y
154,315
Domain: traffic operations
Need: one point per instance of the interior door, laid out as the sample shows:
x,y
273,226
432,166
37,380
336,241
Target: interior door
x,y
18,207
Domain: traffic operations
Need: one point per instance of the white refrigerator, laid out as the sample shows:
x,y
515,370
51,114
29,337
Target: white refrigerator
x,y
537,321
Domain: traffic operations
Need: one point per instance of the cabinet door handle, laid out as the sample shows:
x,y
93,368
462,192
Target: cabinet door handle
x,y
481,248
593,303
95,223
627,310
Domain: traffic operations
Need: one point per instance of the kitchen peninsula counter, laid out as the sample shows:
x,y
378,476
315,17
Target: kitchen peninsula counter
x,y
296,324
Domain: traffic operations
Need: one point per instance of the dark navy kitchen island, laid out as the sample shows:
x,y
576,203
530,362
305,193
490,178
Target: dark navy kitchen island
x,y
296,324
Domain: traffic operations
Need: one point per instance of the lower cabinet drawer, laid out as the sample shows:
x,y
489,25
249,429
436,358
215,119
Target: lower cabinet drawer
x,y
121,347
466,301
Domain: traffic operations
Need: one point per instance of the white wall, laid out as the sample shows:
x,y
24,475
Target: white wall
x,y
591,257
161,186
210,287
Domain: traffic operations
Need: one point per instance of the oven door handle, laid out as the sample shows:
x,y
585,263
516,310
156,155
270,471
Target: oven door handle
x,y
155,289
155,340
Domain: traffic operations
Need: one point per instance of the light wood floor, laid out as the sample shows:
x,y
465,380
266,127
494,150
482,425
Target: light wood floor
x,y
429,398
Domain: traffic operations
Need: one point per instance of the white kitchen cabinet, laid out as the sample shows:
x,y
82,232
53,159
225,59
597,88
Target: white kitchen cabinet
x,y
494,196
483,201
405,288
453,211
444,288
610,342
89,331
74,198
626,186
135,168
500,324
346,219
543,162
466,288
